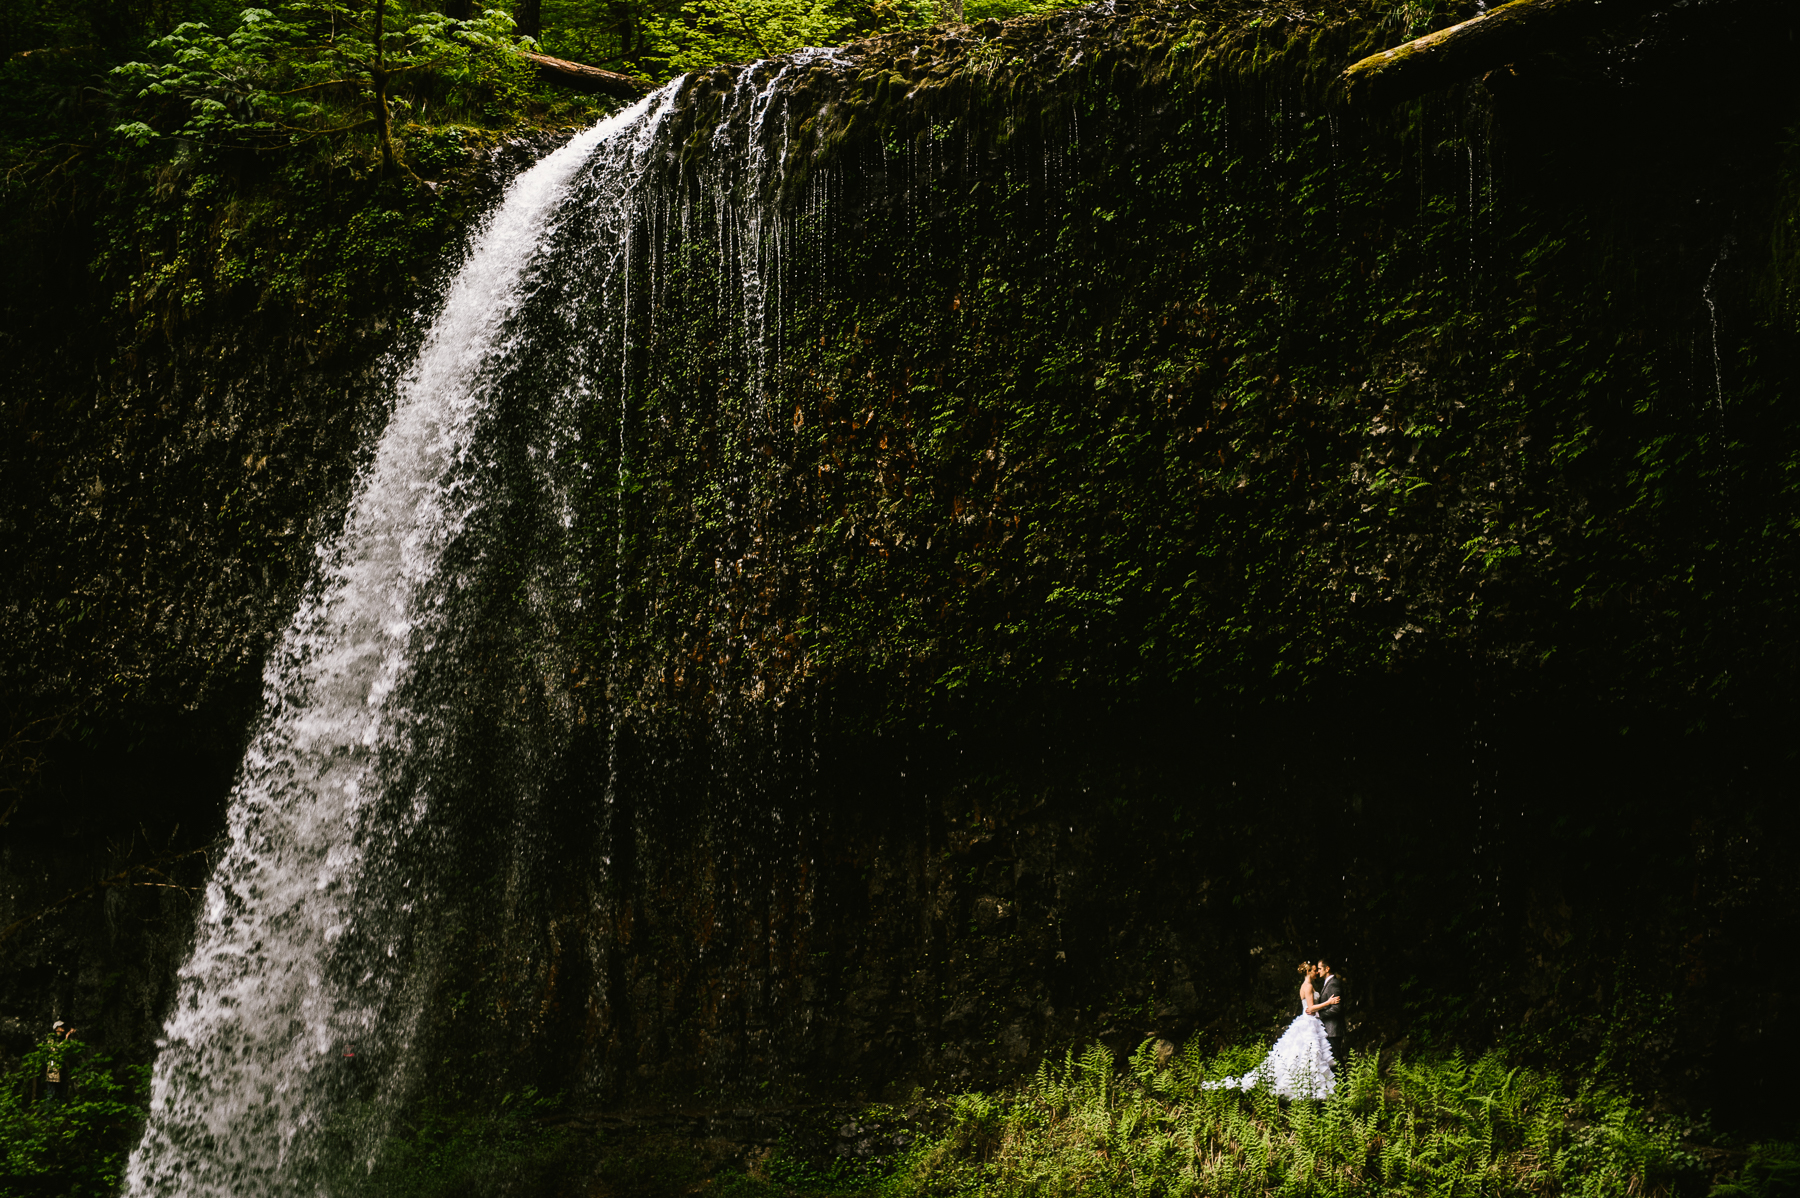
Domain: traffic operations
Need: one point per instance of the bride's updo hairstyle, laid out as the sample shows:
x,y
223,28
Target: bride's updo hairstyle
x,y
1304,968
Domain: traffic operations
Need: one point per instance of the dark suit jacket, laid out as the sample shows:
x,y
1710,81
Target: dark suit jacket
x,y
1333,1017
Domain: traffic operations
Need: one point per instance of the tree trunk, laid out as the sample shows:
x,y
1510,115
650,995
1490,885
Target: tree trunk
x,y
528,15
624,18
582,77
378,77
1476,46
382,123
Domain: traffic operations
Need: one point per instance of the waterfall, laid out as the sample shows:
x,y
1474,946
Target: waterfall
x,y
287,1048
747,231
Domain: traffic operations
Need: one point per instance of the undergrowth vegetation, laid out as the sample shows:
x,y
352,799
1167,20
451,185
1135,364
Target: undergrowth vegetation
x,y
74,1147
1082,1125
504,1148
1088,1125
1440,1126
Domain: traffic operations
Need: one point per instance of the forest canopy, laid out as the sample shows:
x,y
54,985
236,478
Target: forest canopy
x,y
656,39
360,80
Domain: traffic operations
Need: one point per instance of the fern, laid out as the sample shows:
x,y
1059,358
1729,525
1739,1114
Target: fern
x,y
1089,1125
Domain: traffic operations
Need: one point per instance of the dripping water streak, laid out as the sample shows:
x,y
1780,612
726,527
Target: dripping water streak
x,y
1712,316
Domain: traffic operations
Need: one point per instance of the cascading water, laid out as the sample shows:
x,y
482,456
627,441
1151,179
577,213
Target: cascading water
x,y
746,231
318,936
308,948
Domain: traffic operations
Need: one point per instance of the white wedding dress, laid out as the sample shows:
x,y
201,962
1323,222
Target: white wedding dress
x,y
1299,1066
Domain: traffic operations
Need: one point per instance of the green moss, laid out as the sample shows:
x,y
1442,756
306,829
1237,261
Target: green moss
x,y
1170,467
1239,403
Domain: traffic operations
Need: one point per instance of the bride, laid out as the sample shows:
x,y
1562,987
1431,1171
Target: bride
x,y
1299,1066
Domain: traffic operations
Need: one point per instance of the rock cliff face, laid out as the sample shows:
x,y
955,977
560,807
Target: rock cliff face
x,y
178,441
1086,522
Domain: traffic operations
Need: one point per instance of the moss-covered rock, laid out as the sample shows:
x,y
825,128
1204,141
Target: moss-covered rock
x,y
1168,523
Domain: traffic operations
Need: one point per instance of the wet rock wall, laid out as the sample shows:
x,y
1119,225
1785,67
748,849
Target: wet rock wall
x,y
1154,524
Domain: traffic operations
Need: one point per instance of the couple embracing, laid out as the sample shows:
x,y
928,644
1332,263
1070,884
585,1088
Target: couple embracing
x,y
1300,1063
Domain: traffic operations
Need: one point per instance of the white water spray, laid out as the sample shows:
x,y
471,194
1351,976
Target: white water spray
x,y
306,948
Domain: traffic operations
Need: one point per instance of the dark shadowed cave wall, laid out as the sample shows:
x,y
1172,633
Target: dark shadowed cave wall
x,y
1166,525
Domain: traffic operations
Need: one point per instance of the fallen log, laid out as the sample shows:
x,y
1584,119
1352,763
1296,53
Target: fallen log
x,y
1476,47
582,77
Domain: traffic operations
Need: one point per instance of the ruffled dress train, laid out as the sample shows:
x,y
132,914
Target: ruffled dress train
x,y
1299,1066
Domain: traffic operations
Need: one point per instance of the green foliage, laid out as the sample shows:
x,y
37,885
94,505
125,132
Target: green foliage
x,y
78,1146
38,28
319,246
1429,1126
1224,394
734,1184
795,1170
705,33
316,68
663,38
259,228
442,1150
1772,1171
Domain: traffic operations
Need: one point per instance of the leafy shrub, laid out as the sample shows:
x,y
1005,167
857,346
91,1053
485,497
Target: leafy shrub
x,y
320,69
659,39
76,1147
1773,1171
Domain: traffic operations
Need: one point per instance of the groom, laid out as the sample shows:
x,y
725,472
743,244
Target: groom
x,y
1332,1016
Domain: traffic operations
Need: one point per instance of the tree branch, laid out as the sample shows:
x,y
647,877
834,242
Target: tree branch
x,y
1476,46
123,878
582,77
21,755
